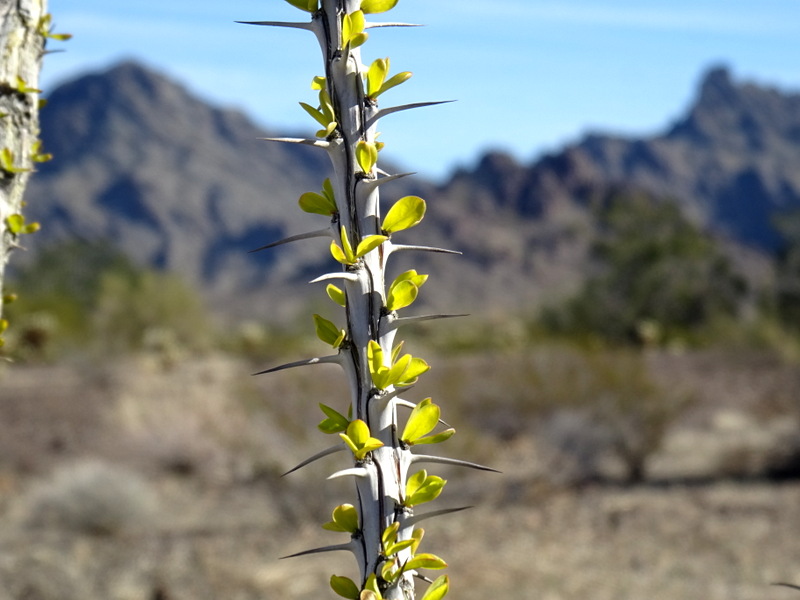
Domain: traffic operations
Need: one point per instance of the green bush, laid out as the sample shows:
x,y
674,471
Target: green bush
x,y
659,277
89,295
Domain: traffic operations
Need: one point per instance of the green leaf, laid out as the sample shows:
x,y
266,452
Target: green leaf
x,y
426,561
371,585
337,295
421,488
344,253
397,370
388,572
394,81
327,191
405,213
310,6
438,589
412,276
7,162
377,6
316,113
393,549
414,370
328,332
376,75
318,83
318,204
345,519
376,366
437,438
401,294
366,156
416,536
345,587
423,419
15,223
359,440
336,421
369,243
389,534
353,30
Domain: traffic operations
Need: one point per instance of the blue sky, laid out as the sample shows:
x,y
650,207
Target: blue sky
x,y
528,75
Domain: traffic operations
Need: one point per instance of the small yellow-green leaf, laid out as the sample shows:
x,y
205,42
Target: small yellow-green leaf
x,y
398,370
414,370
401,295
388,572
426,561
438,589
327,331
376,75
358,431
404,213
412,276
316,113
353,29
346,247
7,162
377,6
371,585
423,419
436,438
374,356
345,516
366,156
429,490
416,536
318,83
314,203
3,325
389,534
394,81
338,254
327,191
335,421
345,587
310,6
369,243
392,549
15,223
336,294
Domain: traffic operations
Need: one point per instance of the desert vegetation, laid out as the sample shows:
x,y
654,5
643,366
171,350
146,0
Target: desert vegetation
x,y
647,425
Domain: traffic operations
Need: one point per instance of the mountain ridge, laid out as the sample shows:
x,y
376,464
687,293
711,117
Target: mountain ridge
x,y
185,186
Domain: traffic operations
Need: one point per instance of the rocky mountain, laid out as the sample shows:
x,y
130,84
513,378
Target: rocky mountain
x,y
189,187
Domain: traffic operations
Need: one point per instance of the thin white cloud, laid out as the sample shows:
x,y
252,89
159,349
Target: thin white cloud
x,y
655,16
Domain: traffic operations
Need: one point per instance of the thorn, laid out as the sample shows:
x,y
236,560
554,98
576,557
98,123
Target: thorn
x,y
343,275
294,238
426,458
306,26
404,247
413,520
375,25
789,585
334,548
317,456
354,471
386,179
393,109
307,141
334,358
419,319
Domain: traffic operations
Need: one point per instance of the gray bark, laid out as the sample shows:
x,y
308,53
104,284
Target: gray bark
x,y
21,48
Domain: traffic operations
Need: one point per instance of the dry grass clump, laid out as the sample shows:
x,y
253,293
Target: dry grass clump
x,y
91,496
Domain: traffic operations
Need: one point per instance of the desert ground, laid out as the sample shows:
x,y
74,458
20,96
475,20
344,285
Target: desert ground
x,y
150,478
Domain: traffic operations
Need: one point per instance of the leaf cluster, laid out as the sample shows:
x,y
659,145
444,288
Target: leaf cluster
x,y
403,371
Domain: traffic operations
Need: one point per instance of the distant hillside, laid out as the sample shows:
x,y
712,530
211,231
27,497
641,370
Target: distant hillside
x,y
188,187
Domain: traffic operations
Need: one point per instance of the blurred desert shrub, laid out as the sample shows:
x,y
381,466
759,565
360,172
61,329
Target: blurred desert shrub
x,y
92,497
89,295
658,278
594,413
